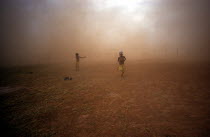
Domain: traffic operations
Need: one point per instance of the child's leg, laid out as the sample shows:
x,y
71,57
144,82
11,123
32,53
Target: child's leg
x,y
122,74
77,66
123,70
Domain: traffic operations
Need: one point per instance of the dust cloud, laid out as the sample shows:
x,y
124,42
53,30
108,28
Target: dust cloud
x,y
52,31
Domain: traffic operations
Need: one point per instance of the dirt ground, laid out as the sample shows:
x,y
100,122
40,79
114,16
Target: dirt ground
x,y
154,99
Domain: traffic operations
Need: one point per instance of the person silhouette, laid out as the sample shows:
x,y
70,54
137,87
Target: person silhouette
x,y
77,60
121,61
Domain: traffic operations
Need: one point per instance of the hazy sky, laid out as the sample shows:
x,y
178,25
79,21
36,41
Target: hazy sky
x,y
39,31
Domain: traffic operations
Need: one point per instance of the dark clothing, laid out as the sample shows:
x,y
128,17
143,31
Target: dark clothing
x,y
77,58
121,60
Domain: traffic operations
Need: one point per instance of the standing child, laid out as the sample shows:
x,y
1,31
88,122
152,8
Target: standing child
x,y
121,60
77,61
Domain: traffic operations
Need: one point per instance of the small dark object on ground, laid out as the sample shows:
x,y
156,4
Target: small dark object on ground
x,y
67,78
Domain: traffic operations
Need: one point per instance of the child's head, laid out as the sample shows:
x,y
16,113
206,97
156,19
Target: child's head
x,y
77,54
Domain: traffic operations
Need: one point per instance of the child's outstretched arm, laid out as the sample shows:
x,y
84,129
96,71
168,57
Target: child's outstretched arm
x,y
83,57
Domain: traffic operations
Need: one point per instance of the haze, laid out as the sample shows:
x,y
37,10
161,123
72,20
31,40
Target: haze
x,y
51,31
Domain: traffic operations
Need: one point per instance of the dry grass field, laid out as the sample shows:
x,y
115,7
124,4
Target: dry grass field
x,y
154,99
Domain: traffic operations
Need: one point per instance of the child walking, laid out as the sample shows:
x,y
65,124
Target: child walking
x,y
77,61
121,60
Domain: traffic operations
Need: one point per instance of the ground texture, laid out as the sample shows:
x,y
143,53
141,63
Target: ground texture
x,y
154,99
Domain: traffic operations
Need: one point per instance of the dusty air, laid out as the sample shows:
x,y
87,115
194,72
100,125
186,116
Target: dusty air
x,y
105,68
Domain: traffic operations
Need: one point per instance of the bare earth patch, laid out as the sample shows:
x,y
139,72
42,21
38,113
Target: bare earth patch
x,y
155,99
